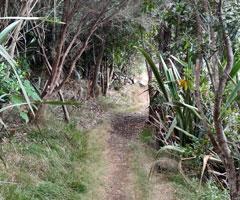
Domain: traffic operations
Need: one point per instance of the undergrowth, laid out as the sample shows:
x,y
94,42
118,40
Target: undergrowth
x,y
184,190
50,163
208,191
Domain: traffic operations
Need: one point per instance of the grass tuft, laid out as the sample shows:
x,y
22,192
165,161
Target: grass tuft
x,y
209,190
50,163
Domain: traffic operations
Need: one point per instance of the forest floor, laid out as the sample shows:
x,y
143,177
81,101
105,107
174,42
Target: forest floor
x,y
127,176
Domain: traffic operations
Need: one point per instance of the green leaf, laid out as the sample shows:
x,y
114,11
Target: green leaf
x,y
172,85
7,30
186,133
192,108
232,96
12,63
2,97
165,68
176,73
180,61
12,106
24,116
59,103
155,72
235,69
17,99
170,131
31,91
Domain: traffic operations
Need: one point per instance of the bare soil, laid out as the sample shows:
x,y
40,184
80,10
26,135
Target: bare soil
x,y
125,127
120,181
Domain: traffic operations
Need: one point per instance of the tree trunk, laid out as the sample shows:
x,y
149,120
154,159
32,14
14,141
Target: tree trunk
x,y
150,93
164,40
40,115
107,81
226,155
96,73
102,78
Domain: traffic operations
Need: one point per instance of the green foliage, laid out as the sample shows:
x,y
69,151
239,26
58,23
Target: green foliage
x,y
233,95
148,5
4,34
13,83
208,191
11,89
233,86
177,98
9,84
12,63
120,40
51,165
156,73
236,66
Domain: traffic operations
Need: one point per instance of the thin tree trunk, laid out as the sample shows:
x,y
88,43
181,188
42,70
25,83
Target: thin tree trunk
x,y
1,113
227,158
96,72
150,93
6,8
102,78
107,81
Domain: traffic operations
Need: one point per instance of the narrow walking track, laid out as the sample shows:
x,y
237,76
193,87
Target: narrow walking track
x,y
125,157
125,127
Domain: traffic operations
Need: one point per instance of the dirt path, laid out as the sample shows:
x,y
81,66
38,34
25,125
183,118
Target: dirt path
x,y
124,129
127,164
